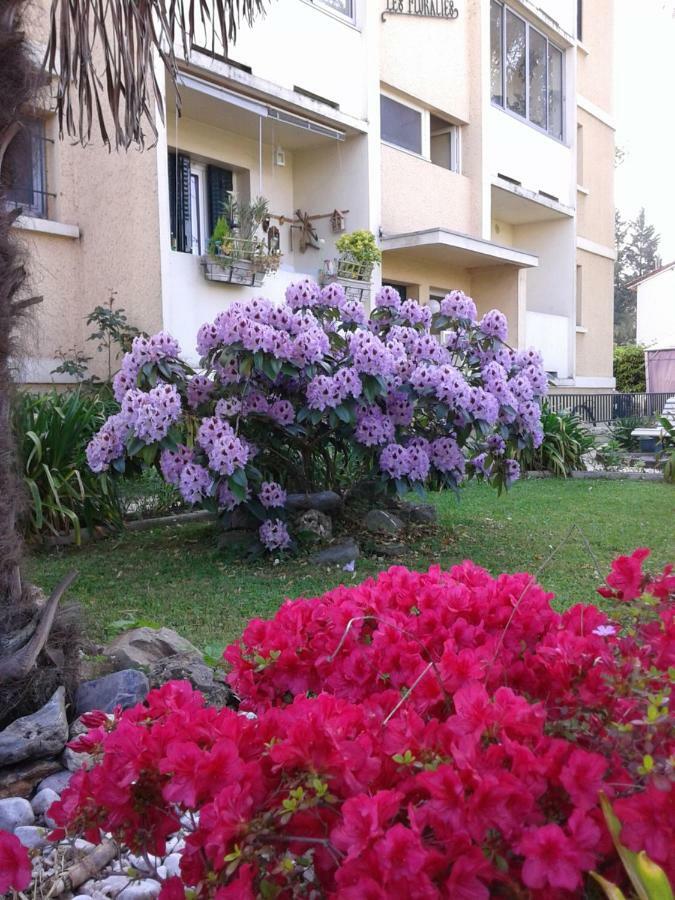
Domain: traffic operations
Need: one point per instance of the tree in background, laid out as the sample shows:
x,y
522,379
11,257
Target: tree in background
x,y
637,245
629,368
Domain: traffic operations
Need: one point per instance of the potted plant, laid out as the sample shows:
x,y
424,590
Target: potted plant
x,y
235,253
358,254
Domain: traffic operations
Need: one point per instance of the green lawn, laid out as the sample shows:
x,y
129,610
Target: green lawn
x,y
177,577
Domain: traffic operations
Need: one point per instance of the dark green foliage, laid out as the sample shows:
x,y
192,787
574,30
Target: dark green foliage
x,y
566,439
636,247
629,368
63,495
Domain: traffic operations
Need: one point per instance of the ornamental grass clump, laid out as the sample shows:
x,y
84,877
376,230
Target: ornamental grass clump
x,y
421,735
318,394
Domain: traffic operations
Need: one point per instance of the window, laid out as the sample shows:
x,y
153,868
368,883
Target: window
x,y
400,125
197,194
580,20
443,143
25,172
343,7
526,71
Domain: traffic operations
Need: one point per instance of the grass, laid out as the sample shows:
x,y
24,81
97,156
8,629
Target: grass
x,y
177,576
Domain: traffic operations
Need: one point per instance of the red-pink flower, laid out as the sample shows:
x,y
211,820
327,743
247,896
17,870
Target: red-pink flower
x,y
626,578
582,777
551,859
15,867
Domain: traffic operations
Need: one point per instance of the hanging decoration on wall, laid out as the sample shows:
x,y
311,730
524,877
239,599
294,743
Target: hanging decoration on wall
x,y
308,236
337,222
273,239
428,9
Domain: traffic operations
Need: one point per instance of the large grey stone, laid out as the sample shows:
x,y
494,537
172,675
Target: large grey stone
x,y
43,800
383,522
337,554
417,512
57,782
315,523
124,688
324,501
186,667
20,780
31,836
240,518
141,647
41,734
15,811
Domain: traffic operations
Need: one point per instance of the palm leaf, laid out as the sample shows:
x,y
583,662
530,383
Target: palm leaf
x,y
101,55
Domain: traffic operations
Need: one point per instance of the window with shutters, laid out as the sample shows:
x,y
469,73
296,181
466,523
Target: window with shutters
x,y
197,196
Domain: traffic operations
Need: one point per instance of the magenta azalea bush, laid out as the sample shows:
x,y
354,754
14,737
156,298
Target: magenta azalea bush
x,y
445,734
315,394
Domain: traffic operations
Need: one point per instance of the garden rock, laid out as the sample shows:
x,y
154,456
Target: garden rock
x,y
383,522
57,782
337,554
192,668
43,800
390,551
31,836
237,538
15,811
417,512
316,523
240,518
141,647
20,780
41,734
324,501
124,688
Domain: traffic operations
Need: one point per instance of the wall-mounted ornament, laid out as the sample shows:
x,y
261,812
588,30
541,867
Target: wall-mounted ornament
x,y
265,222
427,9
337,222
273,239
307,236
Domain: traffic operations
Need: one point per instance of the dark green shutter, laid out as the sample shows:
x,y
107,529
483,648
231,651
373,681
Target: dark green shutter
x,y
179,201
219,184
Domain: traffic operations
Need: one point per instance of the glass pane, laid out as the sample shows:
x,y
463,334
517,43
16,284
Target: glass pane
x,y
195,214
496,53
515,64
400,125
345,7
555,92
26,169
537,78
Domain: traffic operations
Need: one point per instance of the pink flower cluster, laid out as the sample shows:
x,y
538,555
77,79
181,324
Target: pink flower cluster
x,y
444,734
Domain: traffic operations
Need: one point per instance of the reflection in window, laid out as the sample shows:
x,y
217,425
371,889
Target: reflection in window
x,y
400,125
24,170
515,64
555,92
537,78
526,70
344,7
496,54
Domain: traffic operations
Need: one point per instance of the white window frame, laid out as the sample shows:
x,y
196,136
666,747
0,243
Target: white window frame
x,y
503,105
425,124
324,6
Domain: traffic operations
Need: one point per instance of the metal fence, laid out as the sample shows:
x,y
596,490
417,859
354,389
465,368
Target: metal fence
x,y
598,408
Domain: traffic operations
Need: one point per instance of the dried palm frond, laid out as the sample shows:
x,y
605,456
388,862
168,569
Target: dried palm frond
x,y
102,55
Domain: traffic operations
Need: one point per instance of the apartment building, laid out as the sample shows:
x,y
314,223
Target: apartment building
x,y
474,138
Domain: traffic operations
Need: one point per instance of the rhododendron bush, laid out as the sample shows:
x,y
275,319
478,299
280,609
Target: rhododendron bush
x,y
444,734
315,393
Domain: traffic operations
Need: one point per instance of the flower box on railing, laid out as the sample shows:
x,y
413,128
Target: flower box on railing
x,y
240,261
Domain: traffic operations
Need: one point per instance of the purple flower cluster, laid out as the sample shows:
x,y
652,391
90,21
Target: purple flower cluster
x,y
388,298
226,499
198,390
410,462
150,414
271,495
225,451
494,324
400,408
329,391
274,534
172,463
195,483
446,455
108,444
373,427
413,312
456,305
370,356
302,294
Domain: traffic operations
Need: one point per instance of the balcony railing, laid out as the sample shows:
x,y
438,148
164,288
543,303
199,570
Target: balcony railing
x,y
602,408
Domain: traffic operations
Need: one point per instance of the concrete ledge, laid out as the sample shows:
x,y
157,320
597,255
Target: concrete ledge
x,y
47,226
86,537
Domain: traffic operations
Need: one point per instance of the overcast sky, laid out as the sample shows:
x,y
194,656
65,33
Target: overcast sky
x,y
645,113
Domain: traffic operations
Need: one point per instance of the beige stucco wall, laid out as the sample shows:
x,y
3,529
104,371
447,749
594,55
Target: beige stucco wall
x,y
503,288
595,59
423,279
417,194
595,210
112,199
594,348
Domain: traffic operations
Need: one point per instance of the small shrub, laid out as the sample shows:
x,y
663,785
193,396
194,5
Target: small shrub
x,y
629,368
610,455
566,439
147,496
316,394
63,495
622,429
360,246
445,734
